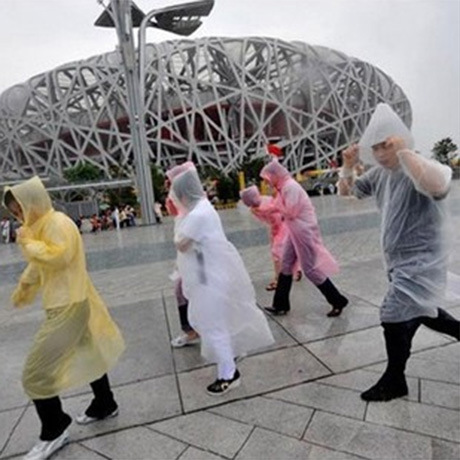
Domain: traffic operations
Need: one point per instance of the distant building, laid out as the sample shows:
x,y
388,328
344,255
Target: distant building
x,y
214,100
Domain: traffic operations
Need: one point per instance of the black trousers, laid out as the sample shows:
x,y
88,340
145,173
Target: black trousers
x,y
398,341
54,420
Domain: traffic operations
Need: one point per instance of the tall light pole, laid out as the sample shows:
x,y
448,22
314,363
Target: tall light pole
x,y
181,19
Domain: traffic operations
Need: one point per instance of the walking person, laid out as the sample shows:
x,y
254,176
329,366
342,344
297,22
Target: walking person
x,y
304,243
222,306
263,208
409,191
78,342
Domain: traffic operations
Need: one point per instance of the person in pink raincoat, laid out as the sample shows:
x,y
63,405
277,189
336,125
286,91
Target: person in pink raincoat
x,y
304,243
264,209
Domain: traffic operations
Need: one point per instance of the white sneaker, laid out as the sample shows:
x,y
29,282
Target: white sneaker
x,y
44,449
183,340
84,419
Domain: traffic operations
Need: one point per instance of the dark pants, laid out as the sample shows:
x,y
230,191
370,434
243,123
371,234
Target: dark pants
x,y
182,305
398,342
54,420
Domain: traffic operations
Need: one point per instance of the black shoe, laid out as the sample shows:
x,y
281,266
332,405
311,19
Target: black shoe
x,y
385,392
221,386
96,412
275,312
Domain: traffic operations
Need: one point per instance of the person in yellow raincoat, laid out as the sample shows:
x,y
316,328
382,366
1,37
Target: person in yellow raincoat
x,y
78,342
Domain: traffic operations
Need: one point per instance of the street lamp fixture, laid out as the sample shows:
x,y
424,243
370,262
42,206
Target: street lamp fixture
x,y
181,19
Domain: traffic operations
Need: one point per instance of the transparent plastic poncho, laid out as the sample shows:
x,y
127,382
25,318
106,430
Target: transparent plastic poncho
x,y
222,304
410,197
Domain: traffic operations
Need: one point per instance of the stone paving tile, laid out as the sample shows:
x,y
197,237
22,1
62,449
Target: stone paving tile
x,y
147,354
260,374
307,323
324,397
76,451
346,352
8,420
279,416
374,441
207,431
136,443
140,403
362,379
264,444
419,418
192,453
440,394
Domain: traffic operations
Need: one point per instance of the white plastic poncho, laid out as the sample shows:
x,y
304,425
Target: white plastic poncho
x,y
78,342
222,305
409,197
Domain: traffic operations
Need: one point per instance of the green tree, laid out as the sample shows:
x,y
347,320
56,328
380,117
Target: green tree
x,y
158,181
83,172
442,150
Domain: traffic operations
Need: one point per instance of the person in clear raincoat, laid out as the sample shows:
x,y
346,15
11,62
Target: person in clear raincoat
x,y
264,209
304,243
188,335
222,305
78,342
409,191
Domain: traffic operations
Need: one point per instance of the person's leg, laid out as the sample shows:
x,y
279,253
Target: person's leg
x,y
54,434
398,342
189,336
444,323
333,296
228,376
103,404
281,304
53,419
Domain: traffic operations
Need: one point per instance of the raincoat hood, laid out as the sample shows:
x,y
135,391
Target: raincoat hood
x,y
383,124
33,198
275,173
186,190
251,196
172,173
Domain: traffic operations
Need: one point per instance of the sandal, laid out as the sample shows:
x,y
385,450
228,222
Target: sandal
x,y
271,286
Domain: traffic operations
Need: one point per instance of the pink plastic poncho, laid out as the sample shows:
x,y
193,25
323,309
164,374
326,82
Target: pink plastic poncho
x,y
265,210
300,219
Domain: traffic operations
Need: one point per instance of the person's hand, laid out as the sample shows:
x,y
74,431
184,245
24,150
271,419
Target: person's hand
x,y
395,143
350,156
23,295
23,233
170,207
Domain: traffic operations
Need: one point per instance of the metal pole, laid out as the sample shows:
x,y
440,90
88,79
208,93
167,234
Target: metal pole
x,y
123,24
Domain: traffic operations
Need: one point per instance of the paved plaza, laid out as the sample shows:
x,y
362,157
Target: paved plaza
x,y
299,399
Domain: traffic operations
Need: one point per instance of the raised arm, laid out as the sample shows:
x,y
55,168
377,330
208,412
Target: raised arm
x,y
350,157
429,176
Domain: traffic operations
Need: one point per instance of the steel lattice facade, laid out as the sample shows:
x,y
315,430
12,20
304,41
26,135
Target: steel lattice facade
x,y
216,101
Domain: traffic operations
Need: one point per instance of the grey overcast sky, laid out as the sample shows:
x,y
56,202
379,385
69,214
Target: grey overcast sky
x,y
416,42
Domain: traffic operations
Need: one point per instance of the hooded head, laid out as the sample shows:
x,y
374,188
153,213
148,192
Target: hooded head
x,y
186,190
31,198
384,124
176,170
275,173
251,196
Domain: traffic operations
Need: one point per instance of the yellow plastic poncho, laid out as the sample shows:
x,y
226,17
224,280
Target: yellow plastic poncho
x,y
78,342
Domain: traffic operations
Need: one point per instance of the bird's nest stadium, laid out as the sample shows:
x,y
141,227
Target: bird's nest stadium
x,y
217,101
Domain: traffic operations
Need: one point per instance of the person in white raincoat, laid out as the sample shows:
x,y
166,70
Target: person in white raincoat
x,y
222,305
409,191
78,342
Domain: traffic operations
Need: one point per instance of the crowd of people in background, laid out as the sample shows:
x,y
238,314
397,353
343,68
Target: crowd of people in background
x,y
114,218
